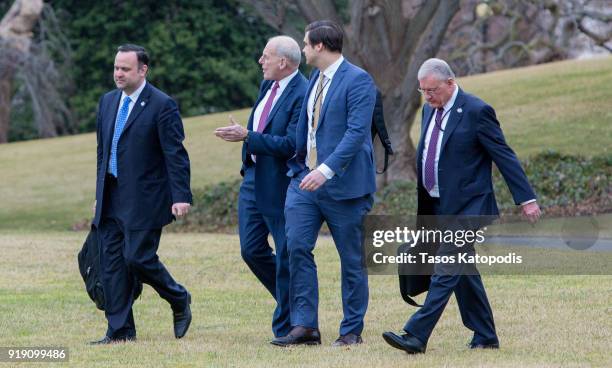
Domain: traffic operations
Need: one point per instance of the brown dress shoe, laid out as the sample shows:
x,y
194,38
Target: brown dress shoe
x,y
299,335
348,339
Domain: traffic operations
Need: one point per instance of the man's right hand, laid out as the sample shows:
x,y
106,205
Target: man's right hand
x,y
531,211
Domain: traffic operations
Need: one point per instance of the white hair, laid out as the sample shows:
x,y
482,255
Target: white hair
x,y
287,47
437,68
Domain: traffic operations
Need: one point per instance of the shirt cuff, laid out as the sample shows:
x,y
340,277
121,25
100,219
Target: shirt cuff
x,y
527,202
326,171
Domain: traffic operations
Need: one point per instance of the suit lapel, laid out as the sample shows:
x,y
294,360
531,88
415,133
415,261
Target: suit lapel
x,y
109,121
424,128
281,99
454,118
333,87
139,106
264,89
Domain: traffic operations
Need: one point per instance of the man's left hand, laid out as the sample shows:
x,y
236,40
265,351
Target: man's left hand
x,y
233,132
313,181
180,209
532,212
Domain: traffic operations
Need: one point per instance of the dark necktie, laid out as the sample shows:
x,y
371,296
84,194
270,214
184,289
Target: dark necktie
x,y
430,159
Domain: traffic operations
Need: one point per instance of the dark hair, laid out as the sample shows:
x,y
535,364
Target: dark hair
x,y
326,32
141,53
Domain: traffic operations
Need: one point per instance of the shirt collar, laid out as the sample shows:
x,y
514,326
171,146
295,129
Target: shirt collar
x,y
134,96
331,70
285,81
451,102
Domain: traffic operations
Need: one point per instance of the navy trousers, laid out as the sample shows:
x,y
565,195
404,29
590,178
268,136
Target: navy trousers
x,y
463,280
125,254
271,269
305,213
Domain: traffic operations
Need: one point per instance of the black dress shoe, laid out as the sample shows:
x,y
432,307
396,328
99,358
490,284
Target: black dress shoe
x,y
113,340
182,319
483,346
299,335
348,339
406,342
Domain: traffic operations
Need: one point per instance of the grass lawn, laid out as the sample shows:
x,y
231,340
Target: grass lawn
x,y
49,184
542,321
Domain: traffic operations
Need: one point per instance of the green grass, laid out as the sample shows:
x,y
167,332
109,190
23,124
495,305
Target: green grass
x,y
49,184
542,321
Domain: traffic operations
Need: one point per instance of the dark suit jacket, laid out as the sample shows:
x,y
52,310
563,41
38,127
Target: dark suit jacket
x,y
152,164
472,140
344,140
274,146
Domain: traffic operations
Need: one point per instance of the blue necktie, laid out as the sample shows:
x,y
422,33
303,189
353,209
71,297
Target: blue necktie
x,y
119,124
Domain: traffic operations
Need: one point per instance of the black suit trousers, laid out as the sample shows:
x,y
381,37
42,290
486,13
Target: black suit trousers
x,y
125,254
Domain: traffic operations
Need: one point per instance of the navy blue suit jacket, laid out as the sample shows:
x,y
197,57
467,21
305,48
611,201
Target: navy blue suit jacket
x,y
344,139
152,164
472,140
274,146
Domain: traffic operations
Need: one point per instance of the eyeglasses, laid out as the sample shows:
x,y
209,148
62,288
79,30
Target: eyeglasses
x,y
430,91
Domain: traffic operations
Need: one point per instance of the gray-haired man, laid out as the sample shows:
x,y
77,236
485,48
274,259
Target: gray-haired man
x,y
268,141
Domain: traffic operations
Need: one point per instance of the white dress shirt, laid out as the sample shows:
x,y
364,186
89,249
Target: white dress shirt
x,y
329,73
435,191
133,98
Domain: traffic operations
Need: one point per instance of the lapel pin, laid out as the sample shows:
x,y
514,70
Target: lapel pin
x,y
459,110
143,103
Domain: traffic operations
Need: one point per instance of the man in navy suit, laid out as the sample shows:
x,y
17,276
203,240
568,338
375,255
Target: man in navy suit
x,y
460,138
333,179
268,142
142,184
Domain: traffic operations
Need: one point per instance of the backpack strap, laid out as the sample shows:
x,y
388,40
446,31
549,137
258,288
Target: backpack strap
x,y
379,128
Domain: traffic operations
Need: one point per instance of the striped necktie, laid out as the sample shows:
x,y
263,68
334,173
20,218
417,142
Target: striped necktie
x,y
316,111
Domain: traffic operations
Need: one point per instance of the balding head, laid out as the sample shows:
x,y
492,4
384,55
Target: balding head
x,y
280,57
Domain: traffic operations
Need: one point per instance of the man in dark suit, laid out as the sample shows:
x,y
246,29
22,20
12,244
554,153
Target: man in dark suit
x,y
268,142
142,184
333,179
460,138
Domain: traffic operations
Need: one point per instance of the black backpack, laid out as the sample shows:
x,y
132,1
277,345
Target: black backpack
x,y
379,128
89,267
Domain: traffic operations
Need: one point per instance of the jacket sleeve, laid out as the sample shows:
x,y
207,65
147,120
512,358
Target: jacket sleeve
x,y
492,139
360,105
171,136
100,143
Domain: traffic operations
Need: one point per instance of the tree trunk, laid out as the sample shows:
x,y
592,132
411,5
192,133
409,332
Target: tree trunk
x,y
15,37
389,39
6,85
